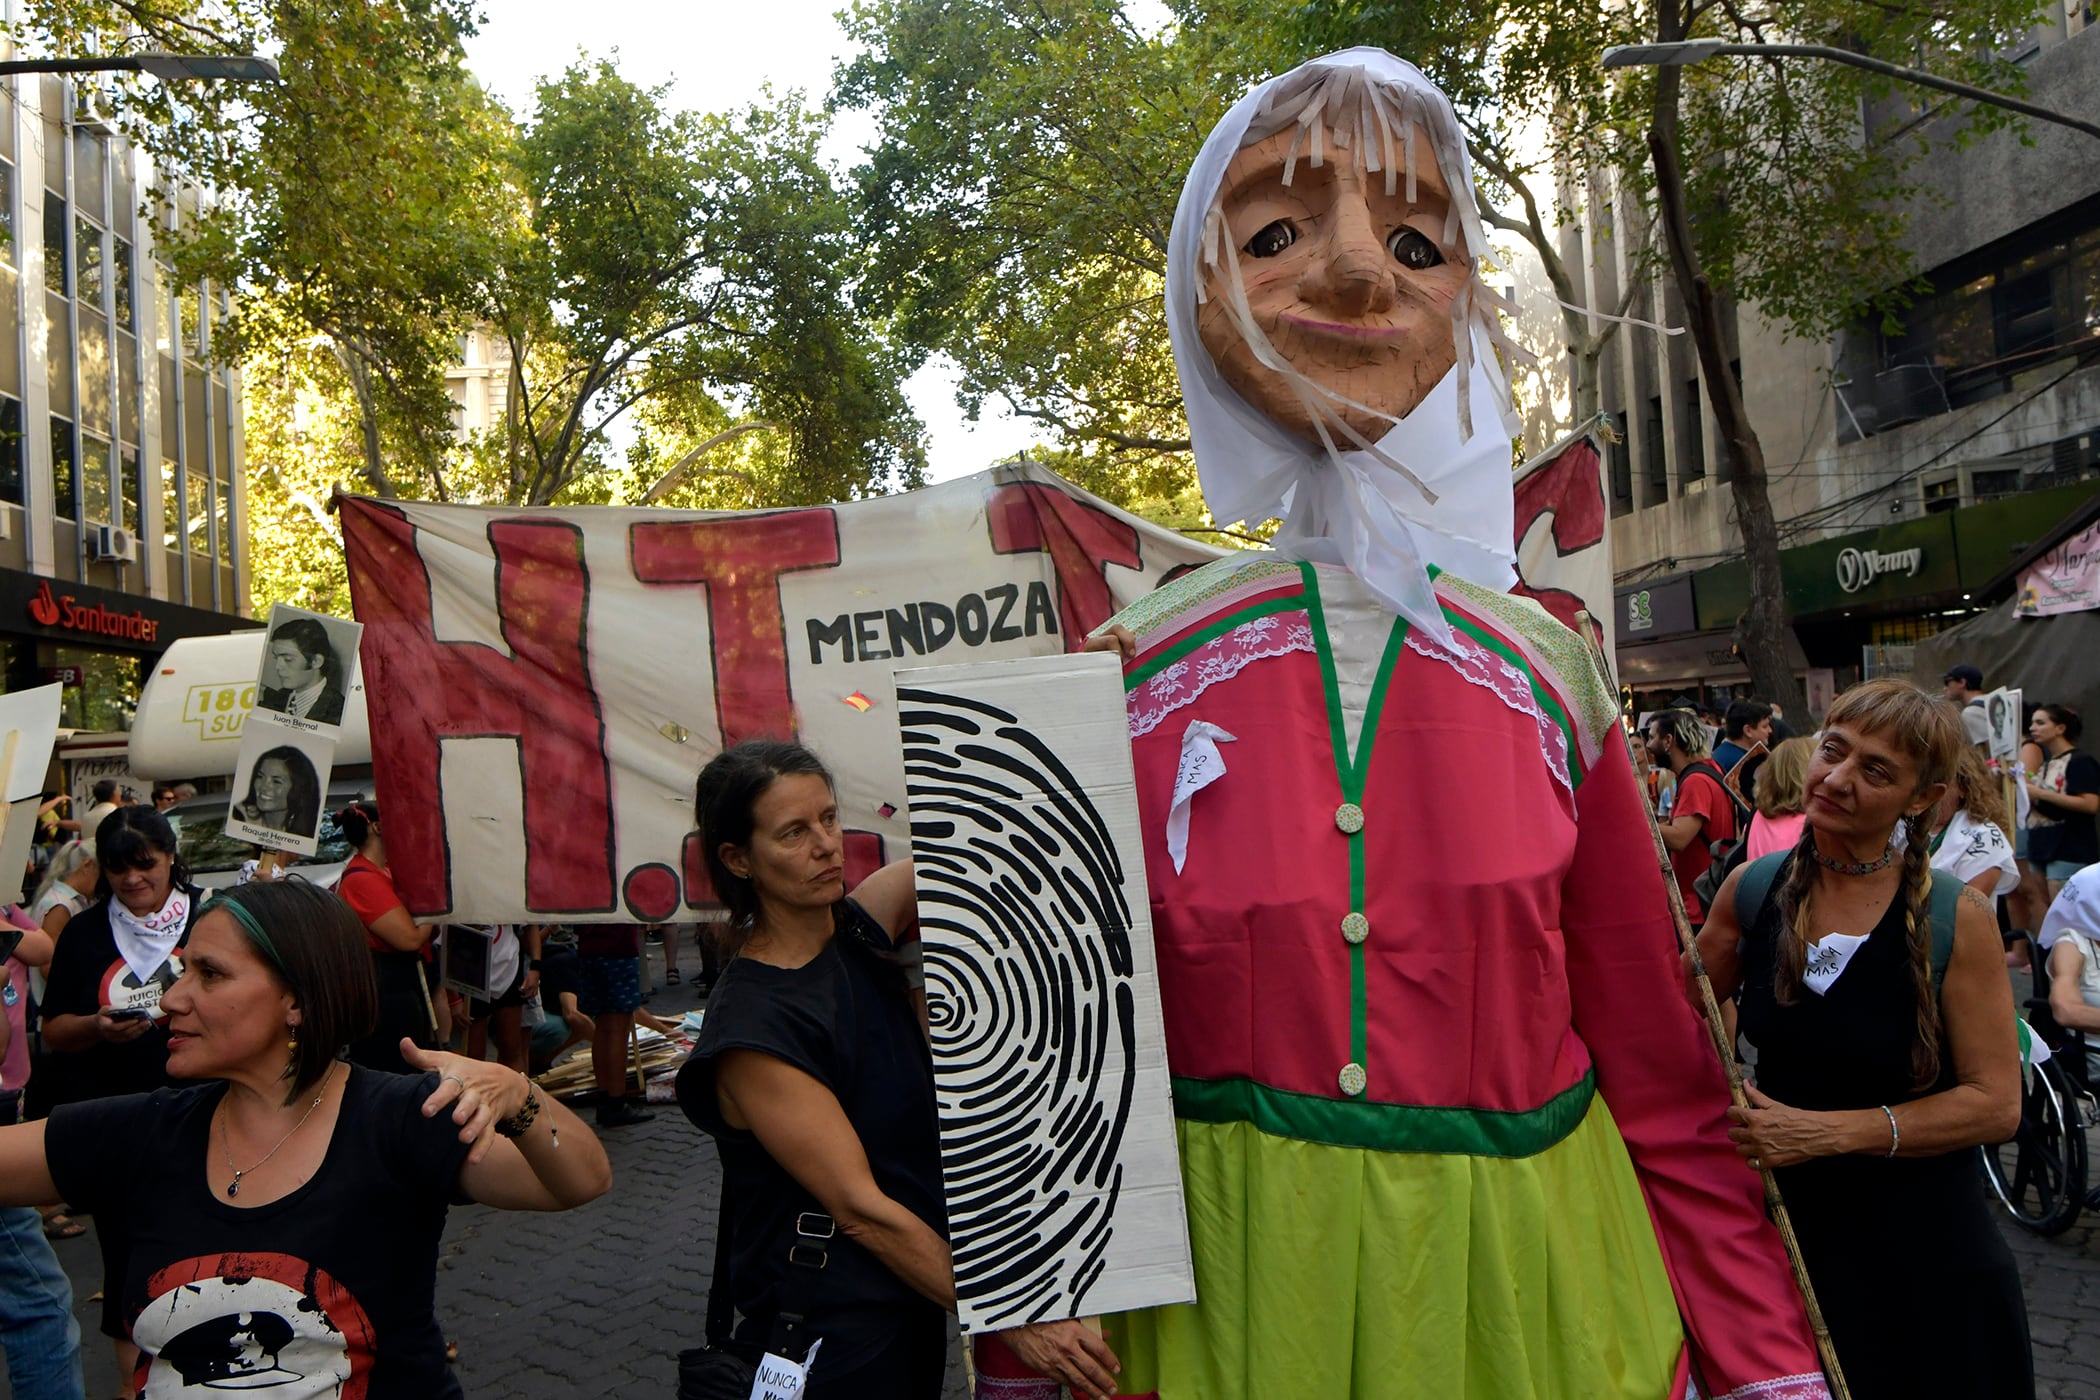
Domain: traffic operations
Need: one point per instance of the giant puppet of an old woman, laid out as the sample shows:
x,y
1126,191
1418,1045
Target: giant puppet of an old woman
x,y
1448,1128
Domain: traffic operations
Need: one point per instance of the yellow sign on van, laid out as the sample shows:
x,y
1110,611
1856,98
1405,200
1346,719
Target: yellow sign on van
x,y
218,711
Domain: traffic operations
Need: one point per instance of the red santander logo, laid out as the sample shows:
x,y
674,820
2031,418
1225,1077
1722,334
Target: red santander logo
x,y
67,611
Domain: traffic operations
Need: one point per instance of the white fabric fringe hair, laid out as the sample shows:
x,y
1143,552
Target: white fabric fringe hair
x,y
1346,113
1435,490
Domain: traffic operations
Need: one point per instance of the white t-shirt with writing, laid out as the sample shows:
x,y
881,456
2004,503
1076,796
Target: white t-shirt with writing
x,y
1969,847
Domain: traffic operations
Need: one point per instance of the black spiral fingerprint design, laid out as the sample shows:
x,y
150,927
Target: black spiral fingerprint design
x,y
1026,931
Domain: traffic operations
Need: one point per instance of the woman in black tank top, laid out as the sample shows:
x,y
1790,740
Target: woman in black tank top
x,y
812,1074
1879,1065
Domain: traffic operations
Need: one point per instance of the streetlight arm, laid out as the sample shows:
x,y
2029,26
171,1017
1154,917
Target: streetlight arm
x,y
1671,54
168,67
1914,76
69,65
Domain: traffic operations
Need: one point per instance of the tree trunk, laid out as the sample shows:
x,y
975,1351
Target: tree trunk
x,y
360,377
1760,633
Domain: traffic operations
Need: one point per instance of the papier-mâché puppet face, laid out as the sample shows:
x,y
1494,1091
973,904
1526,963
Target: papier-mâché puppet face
x,y
1349,281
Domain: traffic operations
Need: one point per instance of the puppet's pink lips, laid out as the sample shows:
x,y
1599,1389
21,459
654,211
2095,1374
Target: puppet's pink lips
x,y
1343,330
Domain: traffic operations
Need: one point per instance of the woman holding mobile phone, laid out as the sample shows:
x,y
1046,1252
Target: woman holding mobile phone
x,y
103,1023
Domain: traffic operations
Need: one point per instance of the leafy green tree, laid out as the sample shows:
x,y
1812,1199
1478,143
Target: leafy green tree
x,y
1771,194
704,263
352,196
1019,200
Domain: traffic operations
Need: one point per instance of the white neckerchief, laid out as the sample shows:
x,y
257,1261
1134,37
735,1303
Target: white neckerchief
x,y
1349,508
144,943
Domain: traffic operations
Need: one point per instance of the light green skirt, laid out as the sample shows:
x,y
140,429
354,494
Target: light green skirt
x,y
1339,1273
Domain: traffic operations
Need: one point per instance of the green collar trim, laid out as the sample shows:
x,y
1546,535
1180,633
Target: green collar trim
x,y
1152,666
1385,1127
1548,702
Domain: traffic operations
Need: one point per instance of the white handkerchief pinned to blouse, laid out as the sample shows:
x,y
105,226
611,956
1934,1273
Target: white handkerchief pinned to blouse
x,y
1201,765
1828,960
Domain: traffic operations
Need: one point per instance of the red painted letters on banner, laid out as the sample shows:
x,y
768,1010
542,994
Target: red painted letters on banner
x,y
541,696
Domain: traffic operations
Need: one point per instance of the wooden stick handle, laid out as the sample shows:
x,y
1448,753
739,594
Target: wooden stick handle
x,y
1717,1028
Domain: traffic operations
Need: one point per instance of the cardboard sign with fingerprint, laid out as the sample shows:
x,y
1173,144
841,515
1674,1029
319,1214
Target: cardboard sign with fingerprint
x,y
1049,1052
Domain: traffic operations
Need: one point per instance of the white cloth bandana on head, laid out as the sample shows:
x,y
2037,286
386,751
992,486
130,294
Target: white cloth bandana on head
x,y
1347,506
144,943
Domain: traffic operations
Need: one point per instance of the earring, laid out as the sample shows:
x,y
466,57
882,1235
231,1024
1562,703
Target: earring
x,y
292,1045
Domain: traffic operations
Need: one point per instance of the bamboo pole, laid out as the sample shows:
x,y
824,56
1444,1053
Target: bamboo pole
x,y
1825,1348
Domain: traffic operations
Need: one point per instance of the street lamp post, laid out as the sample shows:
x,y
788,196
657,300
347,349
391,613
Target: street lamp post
x,y
1671,55
168,67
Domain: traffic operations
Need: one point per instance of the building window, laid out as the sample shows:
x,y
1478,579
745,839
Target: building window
x,y
55,242
1621,476
94,480
1942,496
11,450
7,211
120,277
1691,448
2003,309
87,248
64,486
131,487
1656,452
170,506
200,515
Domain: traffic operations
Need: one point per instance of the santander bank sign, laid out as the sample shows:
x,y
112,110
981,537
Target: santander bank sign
x,y
66,612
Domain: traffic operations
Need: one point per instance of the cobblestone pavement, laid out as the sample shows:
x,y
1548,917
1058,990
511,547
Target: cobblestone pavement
x,y
598,1301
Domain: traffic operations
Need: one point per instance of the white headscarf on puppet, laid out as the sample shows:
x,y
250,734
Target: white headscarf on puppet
x,y
1436,488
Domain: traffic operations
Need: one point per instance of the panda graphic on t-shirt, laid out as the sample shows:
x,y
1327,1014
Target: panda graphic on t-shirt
x,y
251,1322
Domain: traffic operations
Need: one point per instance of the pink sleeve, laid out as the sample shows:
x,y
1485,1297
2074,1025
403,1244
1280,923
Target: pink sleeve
x,y
1658,1073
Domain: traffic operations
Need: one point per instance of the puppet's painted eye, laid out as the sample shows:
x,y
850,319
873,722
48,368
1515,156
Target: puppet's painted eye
x,y
1413,249
1272,239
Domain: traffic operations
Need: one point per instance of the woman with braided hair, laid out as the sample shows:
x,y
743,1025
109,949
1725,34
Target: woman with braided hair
x,y
1874,990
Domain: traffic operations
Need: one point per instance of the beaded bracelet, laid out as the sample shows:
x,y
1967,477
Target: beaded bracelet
x,y
1895,1133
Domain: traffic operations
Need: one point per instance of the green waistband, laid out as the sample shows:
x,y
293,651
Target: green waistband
x,y
1384,1127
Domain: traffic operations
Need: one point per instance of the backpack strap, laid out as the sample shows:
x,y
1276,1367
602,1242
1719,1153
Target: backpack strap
x,y
1945,906
1753,886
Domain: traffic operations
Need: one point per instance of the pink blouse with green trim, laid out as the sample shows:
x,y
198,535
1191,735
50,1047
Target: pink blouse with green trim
x,y
1448,939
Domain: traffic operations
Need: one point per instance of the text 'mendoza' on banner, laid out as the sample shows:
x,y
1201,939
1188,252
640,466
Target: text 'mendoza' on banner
x,y
545,684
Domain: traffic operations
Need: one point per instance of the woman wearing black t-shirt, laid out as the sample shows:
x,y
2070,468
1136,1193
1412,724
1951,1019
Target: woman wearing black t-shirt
x,y
104,1029
812,1074
2061,837
281,1219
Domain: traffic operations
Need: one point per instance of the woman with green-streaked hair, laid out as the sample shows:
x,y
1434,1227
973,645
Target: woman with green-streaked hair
x,y
279,1218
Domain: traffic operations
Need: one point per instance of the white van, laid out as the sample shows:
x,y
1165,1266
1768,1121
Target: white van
x,y
188,726
196,701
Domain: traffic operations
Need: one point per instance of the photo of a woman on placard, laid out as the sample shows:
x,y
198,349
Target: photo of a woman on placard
x,y
284,793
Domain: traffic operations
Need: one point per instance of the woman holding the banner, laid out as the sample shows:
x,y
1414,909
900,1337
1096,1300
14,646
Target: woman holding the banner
x,y
813,1076
398,944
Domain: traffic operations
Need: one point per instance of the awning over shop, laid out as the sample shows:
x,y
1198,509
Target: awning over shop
x,y
2051,659
1924,562
1701,658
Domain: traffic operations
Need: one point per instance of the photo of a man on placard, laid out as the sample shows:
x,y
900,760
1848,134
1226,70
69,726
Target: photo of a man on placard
x,y
304,675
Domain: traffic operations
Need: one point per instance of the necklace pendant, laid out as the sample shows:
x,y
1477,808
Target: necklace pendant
x,y
233,1187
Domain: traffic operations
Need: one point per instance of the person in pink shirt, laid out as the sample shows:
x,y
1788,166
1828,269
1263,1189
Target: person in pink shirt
x,y
1780,799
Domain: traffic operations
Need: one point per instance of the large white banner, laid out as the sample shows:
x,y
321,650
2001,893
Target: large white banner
x,y
545,685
